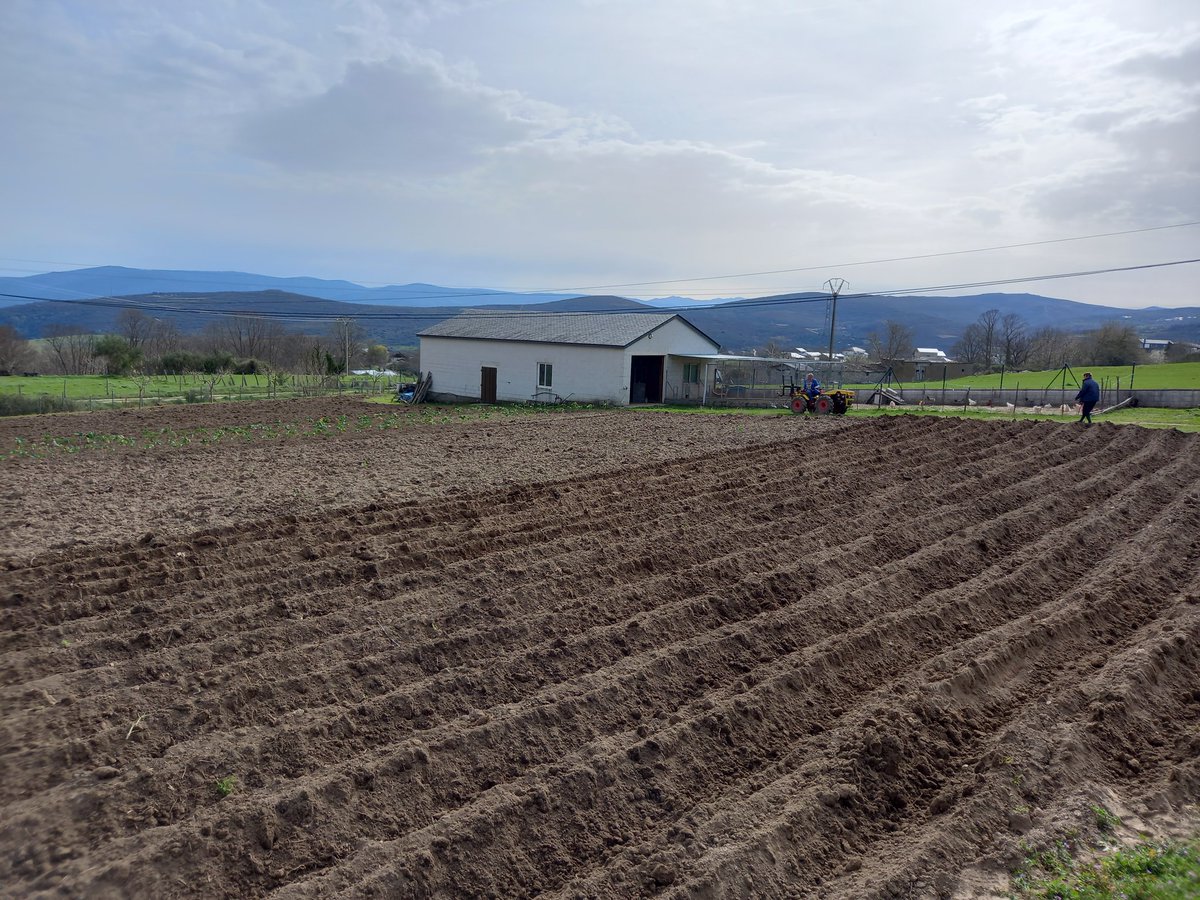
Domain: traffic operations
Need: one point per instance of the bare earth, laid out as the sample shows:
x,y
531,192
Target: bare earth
x,y
602,654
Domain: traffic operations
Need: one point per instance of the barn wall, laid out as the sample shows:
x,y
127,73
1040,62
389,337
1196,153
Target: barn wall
x,y
581,374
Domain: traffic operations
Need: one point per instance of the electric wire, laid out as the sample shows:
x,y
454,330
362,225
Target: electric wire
x,y
451,293
494,313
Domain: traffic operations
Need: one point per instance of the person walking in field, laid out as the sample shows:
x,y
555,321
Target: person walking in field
x,y
1088,396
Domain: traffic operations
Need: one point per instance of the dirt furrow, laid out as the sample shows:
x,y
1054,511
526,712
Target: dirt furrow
x,y
701,768
233,704
725,672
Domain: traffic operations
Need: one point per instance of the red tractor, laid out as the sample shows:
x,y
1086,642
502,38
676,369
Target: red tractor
x,y
825,403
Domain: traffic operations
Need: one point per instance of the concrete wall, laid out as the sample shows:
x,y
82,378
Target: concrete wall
x,y
1172,399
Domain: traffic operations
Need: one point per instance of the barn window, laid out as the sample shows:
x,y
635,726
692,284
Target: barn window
x,y
691,373
545,375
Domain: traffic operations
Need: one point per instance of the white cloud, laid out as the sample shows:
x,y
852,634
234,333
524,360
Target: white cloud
x,y
488,141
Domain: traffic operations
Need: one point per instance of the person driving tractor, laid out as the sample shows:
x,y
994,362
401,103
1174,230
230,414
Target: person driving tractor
x,y
812,387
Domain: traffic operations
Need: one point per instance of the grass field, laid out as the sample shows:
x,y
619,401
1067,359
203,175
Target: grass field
x,y
174,387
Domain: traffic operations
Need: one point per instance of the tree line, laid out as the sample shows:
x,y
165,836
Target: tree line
x,y
229,344
995,341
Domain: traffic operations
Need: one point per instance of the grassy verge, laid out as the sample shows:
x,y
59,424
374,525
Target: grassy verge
x,y
1163,870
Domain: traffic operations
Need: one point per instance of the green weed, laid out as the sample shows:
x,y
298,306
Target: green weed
x,y
1106,822
1151,870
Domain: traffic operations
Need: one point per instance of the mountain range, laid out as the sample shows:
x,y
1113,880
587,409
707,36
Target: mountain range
x,y
395,313
118,281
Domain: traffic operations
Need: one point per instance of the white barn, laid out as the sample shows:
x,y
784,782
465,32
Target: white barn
x,y
618,358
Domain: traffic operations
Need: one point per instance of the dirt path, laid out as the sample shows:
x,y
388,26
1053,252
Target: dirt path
x,y
723,671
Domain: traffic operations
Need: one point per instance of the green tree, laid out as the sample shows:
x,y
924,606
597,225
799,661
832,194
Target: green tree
x,y
377,356
118,354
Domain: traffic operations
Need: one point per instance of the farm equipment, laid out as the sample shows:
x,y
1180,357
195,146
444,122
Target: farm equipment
x,y
834,402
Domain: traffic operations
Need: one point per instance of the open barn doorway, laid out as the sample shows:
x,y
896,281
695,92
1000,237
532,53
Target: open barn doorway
x,y
646,379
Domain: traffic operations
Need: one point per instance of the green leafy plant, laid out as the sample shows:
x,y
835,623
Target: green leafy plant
x,y
226,786
1106,821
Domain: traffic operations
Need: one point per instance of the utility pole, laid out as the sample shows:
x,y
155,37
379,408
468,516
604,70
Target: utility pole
x,y
835,287
345,324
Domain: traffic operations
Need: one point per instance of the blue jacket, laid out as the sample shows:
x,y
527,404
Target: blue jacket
x,y
812,388
1089,391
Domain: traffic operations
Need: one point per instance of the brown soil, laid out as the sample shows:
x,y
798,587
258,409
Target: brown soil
x,y
593,655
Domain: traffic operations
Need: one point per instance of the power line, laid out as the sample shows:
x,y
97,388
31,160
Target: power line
x,y
873,262
475,293
125,303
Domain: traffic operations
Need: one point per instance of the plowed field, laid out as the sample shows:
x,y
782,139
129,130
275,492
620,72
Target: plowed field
x,y
596,655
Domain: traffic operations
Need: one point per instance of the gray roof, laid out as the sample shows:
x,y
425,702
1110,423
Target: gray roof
x,y
595,329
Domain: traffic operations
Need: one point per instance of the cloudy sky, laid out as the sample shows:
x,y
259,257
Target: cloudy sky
x,y
648,145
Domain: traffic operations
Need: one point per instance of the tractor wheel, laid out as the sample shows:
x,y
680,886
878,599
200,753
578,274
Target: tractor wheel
x,y
799,405
839,406
823,405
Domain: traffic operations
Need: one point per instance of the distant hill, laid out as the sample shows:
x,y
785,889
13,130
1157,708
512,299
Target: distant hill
x,y
795,319
118,281
392,325
936,321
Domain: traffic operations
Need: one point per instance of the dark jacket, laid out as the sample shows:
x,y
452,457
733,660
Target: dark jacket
x,y
1089,391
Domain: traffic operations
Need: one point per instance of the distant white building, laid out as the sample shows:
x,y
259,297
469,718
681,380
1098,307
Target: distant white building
x,y
1156,348
931,354
801,353
619,358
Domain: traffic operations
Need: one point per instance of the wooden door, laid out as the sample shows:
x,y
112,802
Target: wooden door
x,y
487,384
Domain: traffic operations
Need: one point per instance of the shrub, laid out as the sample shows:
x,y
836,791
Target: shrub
x,y
19,405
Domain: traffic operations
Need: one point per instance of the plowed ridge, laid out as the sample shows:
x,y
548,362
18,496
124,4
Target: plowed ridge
x,y
721,673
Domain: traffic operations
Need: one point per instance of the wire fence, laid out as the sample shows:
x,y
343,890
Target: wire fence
x,y
99,392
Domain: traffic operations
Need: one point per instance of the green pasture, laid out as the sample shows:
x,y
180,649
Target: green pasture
x,y
1159,376
194,387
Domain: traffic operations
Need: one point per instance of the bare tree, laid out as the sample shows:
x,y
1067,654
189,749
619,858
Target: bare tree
x,y
1049,348
165,338
1014,341
775,348
1112,344
15,353
136,328
896,342
347,339
989,327
971,348
1182,351
245,337
72,351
